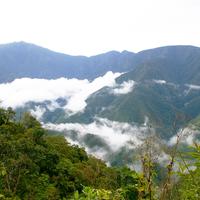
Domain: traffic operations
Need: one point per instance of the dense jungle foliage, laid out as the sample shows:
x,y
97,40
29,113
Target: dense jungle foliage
x,y
36,165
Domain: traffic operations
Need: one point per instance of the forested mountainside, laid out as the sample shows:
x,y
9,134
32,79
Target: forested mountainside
x,y
168,106
165,83
163,103
147,119
37,164
159,86
176,64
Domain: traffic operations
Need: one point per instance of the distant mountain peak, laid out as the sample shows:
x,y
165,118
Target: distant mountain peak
x,y
22,59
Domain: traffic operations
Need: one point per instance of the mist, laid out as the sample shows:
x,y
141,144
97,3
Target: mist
x,y
193,87
115,135
162,82
187,136
21,91
124,88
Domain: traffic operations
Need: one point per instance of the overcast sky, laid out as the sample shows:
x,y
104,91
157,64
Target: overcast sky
x,y
90,27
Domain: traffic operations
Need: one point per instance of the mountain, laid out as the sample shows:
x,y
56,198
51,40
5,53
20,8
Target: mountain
x,y
166,88
176,64
22,59
163,105
161,89
166,91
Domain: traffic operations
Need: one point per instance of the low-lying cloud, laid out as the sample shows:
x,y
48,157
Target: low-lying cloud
x,y
162,82
21,91
38,112
115,134
124,88
187,136
193,87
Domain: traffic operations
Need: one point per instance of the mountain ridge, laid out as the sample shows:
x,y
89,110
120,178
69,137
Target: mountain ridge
x,y
21,59
164,80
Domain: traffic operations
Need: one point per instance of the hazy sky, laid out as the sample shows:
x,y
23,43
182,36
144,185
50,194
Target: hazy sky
x,y
90,27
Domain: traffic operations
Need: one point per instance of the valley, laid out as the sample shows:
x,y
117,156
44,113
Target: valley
x,y
107,113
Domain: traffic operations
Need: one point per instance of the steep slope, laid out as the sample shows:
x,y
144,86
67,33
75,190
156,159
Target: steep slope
x,y
166,89
41,165
22,59
177,64
162,105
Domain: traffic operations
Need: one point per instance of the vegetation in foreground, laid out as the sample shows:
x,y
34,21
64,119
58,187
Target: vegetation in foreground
x,y
37,166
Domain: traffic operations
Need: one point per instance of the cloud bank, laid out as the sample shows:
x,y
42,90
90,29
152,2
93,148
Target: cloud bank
x,y
162,82
187,136
21,91
124,88
115,134
38,112
193,87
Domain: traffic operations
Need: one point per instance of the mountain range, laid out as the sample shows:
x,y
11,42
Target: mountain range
x,y
163,84
178,64
22,59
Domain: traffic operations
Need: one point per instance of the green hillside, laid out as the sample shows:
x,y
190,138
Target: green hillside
x,y
36,164
168,105
176,64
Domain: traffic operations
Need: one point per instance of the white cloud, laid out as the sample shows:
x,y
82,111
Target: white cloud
x,y
193,87
162,82
77,102
21,91
52,105
38,112
99,153
124,88
187,136
115,134
163,158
